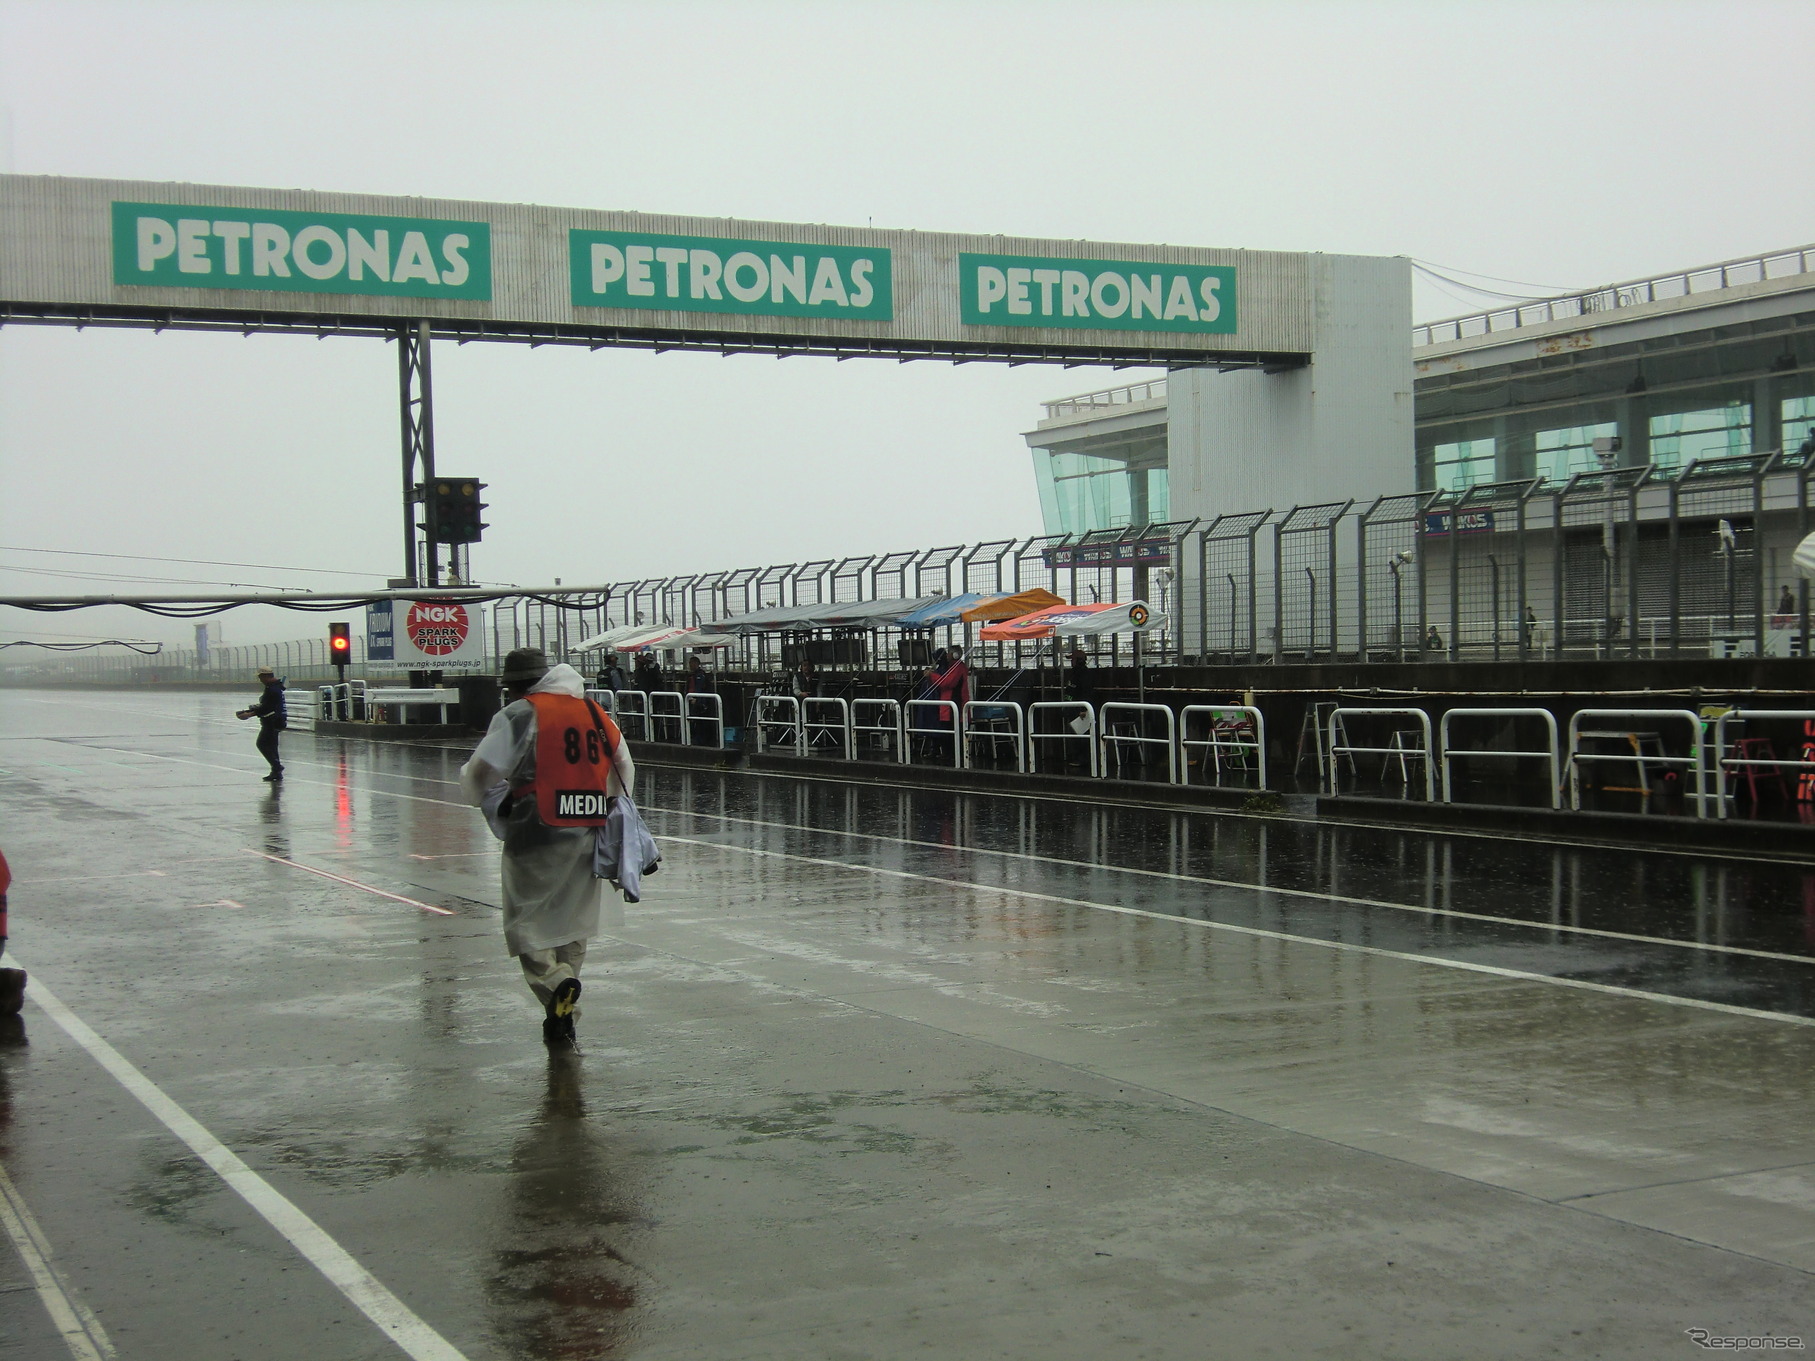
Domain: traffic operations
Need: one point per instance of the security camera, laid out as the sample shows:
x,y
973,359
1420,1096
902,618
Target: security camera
x,y
1404,555
1728,538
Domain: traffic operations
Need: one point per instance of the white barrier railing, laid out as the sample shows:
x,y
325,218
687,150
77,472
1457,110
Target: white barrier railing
x,y
633,715
783,731
1114,742
1722,761
405,699
606,700
348,701
1077,708
668,714
893,730
984,718
1697,760
713,719
1421,753
1525,753
819,731
1241,736
946,722
301,708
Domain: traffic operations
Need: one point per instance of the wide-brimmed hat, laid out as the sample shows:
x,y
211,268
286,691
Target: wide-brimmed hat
x,y
524,666
265,671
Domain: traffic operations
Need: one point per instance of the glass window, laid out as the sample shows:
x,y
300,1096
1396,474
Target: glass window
x,y
1680,438
1079,492
1564,453
1798,423
1463,463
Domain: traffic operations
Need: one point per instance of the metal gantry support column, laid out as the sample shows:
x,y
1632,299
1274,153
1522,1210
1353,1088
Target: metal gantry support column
x,y
416,406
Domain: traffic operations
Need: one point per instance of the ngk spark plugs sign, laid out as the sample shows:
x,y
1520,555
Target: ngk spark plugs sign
x,y
1097,295
725,274
433,635
186,246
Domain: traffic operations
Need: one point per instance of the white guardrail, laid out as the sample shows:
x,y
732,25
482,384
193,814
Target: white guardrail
x,y
1239,729
1547,753
1638,757
1777,765
994,721
889,731
1397,750
1069,731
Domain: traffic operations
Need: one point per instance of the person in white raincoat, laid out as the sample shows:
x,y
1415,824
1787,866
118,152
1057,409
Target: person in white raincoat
x,y
551,899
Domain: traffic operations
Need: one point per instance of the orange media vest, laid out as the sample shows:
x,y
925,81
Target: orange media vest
x,y
575,743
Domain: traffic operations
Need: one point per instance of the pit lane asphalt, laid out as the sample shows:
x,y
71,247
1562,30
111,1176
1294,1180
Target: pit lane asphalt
x,y
878,1072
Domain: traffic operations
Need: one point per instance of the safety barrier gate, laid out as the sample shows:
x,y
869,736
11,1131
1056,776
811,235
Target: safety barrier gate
x,y
1696,760
1421,753
946,721
1225,734
704,710
1113,742
777,723
1526,753
1077,708
605,699
1723,762
893,731
667,714
825,731
985,719
633,715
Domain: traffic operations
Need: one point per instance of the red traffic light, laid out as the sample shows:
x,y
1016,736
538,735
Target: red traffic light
x,y
340,642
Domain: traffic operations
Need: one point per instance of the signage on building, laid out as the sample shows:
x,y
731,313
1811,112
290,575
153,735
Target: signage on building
x,y
434,635
727,274
1468,522
1117,295
1124,553
177,245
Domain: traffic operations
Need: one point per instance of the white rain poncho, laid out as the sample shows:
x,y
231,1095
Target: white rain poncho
x,y
550,895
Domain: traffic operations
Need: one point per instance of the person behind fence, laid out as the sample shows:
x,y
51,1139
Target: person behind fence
x,y
269,710
1786,609
1433,641
646,674
804,683
611,674
547,772
1080,682
702,732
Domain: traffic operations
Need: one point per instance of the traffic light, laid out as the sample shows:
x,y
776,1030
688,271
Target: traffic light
x,y
455,509
340,643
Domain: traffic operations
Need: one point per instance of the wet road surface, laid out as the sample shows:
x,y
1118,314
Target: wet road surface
x,y
872,1073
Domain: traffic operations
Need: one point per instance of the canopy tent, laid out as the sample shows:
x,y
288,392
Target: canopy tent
x,y
648,635
995,607
827,614
942,612
700,638
611,637
1135,617
1039,624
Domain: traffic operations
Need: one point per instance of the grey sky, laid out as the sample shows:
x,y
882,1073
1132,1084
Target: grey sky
x,y
1560,144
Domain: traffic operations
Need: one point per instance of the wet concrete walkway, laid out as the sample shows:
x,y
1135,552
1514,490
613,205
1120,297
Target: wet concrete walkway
x,y
873,1073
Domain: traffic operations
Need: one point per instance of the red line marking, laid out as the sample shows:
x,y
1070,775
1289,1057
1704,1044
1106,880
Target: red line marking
x,y
351,883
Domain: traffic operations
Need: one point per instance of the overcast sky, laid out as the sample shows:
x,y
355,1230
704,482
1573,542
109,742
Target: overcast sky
x,y
1554,145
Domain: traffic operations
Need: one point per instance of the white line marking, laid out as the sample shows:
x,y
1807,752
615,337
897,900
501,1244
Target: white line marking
x,y
224,902
1435,961
75,1322
364,1290
350,883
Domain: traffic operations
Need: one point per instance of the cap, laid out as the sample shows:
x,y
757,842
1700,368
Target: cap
x,y
524,666
266,671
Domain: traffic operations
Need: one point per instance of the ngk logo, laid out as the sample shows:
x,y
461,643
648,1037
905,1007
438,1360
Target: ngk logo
x,y
436,629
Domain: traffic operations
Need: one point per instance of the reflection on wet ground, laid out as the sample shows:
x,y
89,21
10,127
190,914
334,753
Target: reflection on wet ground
x,y
877,1071
1723,930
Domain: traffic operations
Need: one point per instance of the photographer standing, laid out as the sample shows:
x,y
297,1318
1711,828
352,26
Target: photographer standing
x,y
269,710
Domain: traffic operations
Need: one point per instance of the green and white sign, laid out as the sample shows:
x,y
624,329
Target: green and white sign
x,y
728,274
1106,295
187,245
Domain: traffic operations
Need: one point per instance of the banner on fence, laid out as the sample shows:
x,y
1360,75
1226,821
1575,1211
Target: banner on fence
x,y
1127,553
433,635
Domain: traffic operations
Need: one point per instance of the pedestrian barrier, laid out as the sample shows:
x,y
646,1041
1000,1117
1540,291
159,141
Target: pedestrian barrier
x,y
784,731
633,715
349,701
1526,753
1118,735
1244,736
405,699
605,699
827,731
1068,731
887,732
705,716
1340,745
1749,762
1697,760
993,720
667,713
945,722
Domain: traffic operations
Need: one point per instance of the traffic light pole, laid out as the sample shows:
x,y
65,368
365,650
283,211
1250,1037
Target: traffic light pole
x,y
416,405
